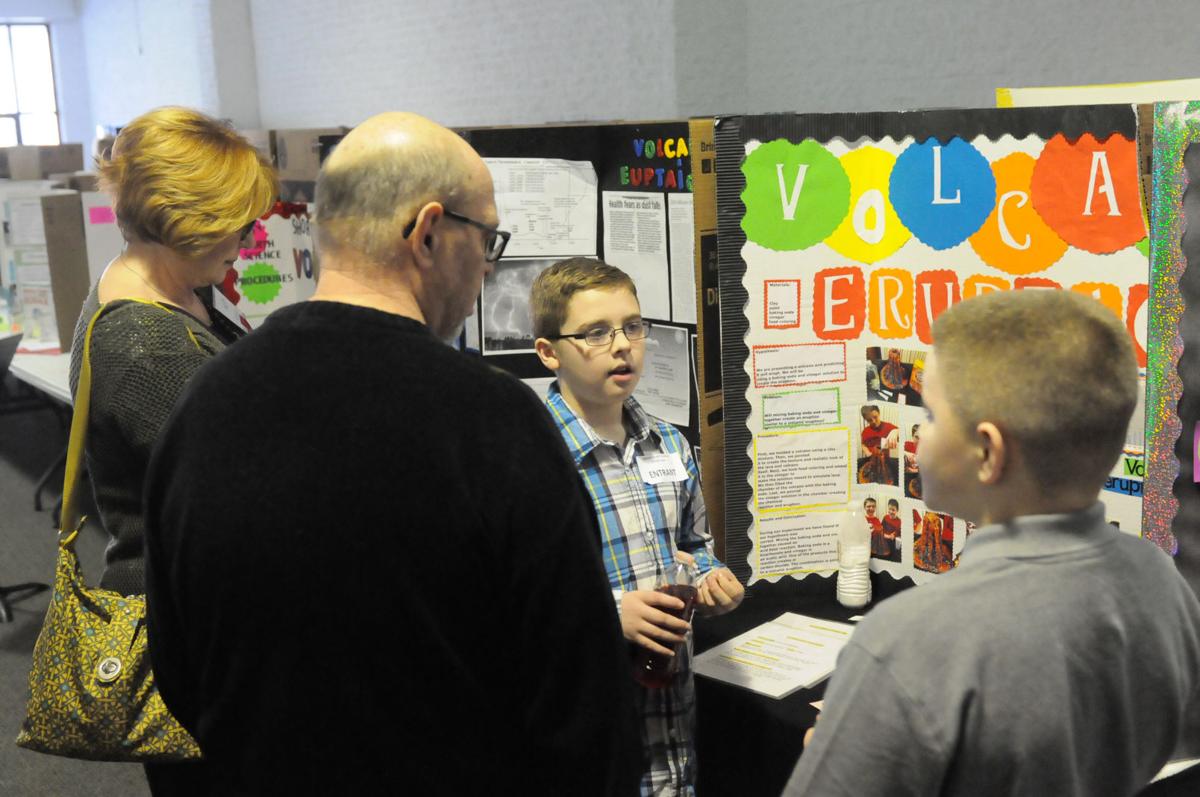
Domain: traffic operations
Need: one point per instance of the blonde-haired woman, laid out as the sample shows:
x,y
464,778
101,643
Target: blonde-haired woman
x,y
186,189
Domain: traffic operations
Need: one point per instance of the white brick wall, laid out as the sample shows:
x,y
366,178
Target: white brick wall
x,y
146,53
301,63
464,62
876,55
487,62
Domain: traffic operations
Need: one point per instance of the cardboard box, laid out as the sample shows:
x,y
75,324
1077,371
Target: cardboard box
x,y
297,153
36,163
260,140
300,192
66,250
77,181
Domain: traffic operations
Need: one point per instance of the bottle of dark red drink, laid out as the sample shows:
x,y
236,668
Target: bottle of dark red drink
x,y
655,670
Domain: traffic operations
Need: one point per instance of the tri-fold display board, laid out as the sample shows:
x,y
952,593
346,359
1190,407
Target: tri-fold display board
x,y
842,236
793,265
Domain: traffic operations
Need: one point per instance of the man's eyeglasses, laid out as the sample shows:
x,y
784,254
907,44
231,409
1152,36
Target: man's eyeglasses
x,y
605,335
493,244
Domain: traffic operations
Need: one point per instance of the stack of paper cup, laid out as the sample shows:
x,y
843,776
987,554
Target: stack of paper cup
x,y
854,555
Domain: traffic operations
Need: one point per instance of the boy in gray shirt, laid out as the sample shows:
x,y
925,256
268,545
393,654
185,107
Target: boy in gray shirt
x,y
1060,656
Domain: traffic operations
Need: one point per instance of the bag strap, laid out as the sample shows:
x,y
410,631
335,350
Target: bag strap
x,y
69,519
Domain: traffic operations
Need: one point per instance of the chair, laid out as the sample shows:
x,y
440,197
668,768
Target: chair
x,y
18,403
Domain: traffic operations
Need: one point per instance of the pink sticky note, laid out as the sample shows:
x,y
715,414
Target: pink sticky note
x,y
102,214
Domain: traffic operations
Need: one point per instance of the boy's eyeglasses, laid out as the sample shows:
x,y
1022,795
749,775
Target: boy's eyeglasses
x,y
604,336
493,244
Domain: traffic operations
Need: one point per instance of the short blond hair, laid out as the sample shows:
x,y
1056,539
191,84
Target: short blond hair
x,y
185,180
1054,370
554,287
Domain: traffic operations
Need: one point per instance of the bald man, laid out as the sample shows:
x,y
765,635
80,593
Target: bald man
x,y
370,565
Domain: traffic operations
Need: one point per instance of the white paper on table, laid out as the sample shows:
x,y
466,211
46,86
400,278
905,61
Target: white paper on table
x,y
635,241
549,205
1175,767
791,652
665,389
681,221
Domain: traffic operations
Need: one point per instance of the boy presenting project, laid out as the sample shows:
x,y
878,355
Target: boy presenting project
x,y
644,484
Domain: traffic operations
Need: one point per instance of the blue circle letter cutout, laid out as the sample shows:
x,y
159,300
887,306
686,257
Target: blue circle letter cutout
x,y
943,194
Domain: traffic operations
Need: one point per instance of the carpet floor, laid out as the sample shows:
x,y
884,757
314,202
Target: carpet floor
x,y
30,442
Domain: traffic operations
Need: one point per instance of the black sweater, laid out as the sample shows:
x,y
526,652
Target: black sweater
x,y
372,569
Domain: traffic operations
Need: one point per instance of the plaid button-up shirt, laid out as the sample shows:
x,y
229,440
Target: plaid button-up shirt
x,y
641,527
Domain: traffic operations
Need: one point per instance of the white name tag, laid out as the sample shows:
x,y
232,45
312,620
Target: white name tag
x,y
661,468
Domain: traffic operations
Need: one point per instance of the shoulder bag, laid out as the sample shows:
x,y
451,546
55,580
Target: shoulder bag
x,y
92,692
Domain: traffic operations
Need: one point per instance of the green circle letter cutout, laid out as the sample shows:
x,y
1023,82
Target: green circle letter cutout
x,y
795,195
260,282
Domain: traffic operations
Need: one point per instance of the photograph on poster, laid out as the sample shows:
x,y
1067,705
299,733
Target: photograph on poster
x,y
894,375
879,435
933,542
903,545
912,471
890,532
885,528
507,322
